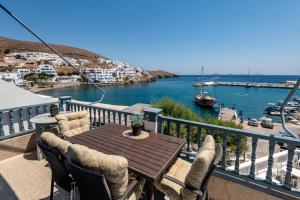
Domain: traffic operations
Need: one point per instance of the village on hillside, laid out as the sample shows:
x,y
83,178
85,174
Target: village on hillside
x,y
39,69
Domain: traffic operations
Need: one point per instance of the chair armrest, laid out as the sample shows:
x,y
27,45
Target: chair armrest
x,y
196,191
129,190
189,153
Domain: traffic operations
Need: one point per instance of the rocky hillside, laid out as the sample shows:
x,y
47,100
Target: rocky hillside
x,y
15,46
21,46
161,74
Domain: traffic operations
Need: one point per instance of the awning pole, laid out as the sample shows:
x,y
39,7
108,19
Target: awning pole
x,y
287,99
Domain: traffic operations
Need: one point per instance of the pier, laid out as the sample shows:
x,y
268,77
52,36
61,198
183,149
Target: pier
x,y
227,114
285,85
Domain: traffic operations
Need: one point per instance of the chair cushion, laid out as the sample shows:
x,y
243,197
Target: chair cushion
x,y
55,142
200,167
74,123
179,171
113,167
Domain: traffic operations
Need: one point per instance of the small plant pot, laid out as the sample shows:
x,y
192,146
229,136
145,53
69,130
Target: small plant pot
x,y
54,110
136,130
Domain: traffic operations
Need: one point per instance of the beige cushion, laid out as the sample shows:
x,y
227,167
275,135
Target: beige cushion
x,y
113,167
55,142
199,167
179,171
71,124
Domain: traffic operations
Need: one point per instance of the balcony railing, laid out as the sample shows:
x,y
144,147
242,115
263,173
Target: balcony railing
x,y
194,133
16,121
99,115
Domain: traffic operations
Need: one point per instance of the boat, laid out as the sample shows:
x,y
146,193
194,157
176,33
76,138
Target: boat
x,y
203,99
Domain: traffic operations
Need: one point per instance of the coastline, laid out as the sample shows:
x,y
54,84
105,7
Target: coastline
x,y
159,74
56,86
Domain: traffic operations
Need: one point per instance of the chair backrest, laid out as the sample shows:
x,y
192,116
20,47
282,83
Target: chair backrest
x,y
215,162
74,123
60,173
92,185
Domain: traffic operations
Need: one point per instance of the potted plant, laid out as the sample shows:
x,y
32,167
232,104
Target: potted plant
x,y
137,123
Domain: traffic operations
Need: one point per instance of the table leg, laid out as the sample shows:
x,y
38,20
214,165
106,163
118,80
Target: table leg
x,y
150,190
39,129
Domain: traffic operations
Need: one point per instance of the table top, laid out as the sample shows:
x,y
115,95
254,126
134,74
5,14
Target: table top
x,y
148,157
44,119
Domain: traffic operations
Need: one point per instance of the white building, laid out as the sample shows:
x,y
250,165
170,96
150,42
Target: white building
x,y
101,75
11,77
22,72
40,56
48,69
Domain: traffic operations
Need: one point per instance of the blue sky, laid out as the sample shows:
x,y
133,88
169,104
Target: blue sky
x,y
178,36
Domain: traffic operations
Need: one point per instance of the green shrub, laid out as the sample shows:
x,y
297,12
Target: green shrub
x,y
177,110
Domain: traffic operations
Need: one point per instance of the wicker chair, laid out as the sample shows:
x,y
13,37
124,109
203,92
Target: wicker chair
x,y
74,123
60,174
93,185
177,182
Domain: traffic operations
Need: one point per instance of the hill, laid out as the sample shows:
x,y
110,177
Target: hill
x,y
21,46
161,74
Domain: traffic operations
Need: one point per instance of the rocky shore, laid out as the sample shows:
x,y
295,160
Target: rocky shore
x,y
157,74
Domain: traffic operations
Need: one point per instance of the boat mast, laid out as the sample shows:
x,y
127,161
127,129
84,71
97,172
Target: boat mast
x,y
248,77
202,80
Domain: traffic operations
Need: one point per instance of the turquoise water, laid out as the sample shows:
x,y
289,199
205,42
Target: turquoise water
x,y
251,101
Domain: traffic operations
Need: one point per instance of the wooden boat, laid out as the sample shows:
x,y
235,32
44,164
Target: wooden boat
x,y
203,99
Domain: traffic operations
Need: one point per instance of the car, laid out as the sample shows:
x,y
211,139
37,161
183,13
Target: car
x,y
253,122
266,123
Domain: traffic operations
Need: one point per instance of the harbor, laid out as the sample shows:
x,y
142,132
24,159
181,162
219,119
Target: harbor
x,y
283,85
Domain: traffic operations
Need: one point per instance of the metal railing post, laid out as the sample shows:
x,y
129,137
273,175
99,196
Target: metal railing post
x,y
151,116
63,106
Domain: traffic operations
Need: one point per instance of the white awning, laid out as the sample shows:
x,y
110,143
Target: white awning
x,y
12,96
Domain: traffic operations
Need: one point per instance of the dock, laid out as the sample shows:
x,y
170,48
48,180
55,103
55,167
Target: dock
x,y
246,84
227,114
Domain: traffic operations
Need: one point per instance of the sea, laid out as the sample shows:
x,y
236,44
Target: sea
x,y
251,101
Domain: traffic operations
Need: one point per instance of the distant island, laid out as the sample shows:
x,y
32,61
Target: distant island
x,y
32,64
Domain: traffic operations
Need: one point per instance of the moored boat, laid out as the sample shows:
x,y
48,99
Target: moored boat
x,y
203,99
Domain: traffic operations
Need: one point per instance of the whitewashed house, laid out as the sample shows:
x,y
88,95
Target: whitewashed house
x,y
11,77
48,69
22,72
101,75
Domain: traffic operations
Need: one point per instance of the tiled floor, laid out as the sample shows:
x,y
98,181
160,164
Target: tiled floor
x,y
23,177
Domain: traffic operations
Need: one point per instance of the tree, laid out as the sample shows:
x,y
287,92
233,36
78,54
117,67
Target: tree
x,y
6,68
178,110
31,77
6,51
18,56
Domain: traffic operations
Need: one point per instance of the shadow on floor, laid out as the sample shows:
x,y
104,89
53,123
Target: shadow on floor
x,y
6,191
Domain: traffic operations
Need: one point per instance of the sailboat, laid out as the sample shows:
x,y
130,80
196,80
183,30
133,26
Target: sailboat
x,y
203,99
248,83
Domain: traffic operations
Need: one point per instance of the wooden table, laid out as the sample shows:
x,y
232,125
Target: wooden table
x,y
148,157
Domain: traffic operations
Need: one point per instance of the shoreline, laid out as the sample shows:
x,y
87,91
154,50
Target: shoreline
x,y
56,86
77,84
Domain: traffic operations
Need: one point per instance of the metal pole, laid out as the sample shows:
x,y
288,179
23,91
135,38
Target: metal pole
x,y
290,95
52,49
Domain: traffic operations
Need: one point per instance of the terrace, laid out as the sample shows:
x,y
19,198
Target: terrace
x,y
240,175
